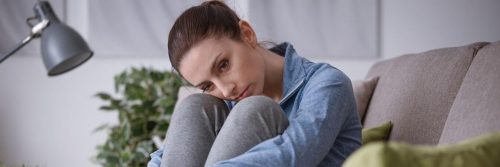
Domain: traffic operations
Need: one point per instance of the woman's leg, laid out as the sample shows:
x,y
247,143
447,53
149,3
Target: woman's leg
x,y
195,122
251,121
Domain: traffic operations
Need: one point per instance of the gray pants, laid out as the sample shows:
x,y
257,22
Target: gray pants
x,y
203,131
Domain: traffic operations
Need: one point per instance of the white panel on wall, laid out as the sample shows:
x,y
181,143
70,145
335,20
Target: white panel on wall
x,y
320,29
131,27
416,26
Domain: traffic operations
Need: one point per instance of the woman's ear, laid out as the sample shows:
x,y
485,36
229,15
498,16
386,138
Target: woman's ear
x,y
247,33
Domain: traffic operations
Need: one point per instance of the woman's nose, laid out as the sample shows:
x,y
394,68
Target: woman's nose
x,y
227,89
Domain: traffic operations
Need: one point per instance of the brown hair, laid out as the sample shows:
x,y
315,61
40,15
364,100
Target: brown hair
x,y
209,19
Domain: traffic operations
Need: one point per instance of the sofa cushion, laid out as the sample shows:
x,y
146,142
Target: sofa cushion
x,y
379,133
363,90
483,151
416,92
476,110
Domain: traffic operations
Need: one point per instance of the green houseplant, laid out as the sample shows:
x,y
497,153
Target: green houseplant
x,y
145,102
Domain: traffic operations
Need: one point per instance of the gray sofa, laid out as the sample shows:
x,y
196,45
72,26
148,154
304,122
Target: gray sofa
x,y
441,96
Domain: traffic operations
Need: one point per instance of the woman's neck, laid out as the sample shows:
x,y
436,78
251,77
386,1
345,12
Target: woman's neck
x,y
274,64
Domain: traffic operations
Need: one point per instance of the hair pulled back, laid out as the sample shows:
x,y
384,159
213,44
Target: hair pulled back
x,y
211,19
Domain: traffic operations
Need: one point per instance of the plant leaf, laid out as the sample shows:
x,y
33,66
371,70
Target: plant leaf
x,y
107,108
145,101
103,96
100,128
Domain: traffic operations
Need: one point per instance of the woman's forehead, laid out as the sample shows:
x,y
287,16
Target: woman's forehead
x,y
197,62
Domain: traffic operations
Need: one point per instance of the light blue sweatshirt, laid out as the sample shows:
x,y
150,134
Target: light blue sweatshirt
x,y
324,125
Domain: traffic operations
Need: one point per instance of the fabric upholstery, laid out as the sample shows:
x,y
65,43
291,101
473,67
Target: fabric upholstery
x,y
379,133
416,92
476,109
363,90
481,152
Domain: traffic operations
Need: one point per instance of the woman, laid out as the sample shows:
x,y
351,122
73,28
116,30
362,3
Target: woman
x,y
260,107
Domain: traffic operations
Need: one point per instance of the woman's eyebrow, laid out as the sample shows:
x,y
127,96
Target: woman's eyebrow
x,y
214,63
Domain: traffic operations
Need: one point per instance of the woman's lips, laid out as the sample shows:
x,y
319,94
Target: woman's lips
x,y
243,94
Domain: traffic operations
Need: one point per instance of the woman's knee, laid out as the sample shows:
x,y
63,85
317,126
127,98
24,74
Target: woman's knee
x,y
197,104
253,106
257,115
256,103
198,100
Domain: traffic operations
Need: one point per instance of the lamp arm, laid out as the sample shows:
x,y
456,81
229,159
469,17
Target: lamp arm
x,y
18,46
35,32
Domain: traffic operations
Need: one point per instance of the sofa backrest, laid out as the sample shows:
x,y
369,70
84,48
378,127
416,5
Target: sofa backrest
x,y
476,109
416,92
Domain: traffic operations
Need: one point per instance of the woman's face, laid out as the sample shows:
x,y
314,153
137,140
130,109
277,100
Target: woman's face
x,y
227,69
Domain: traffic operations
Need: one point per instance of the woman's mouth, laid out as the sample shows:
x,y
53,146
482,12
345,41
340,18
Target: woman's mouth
x,y
243,94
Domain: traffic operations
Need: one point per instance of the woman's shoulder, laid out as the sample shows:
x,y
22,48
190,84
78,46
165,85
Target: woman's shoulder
x,y
325,83
324,73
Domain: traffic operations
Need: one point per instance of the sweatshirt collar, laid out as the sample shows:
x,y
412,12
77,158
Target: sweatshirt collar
x,y
294,70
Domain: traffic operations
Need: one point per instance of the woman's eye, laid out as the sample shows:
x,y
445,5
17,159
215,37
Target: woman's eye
x,y
224,65
205,88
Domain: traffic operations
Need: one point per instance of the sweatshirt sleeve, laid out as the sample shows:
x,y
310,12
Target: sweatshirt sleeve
x,y
155,158
326,103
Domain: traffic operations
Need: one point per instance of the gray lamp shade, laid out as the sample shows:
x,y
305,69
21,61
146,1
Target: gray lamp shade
x,y
63,49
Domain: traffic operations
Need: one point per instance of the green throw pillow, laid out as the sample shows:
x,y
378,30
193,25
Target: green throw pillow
x,y
483,151
379,133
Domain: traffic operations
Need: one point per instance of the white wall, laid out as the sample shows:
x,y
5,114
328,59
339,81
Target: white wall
x,y
48,121
413,26
410,26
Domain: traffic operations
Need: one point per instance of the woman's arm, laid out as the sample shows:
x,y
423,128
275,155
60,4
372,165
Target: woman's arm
x,y
326,102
